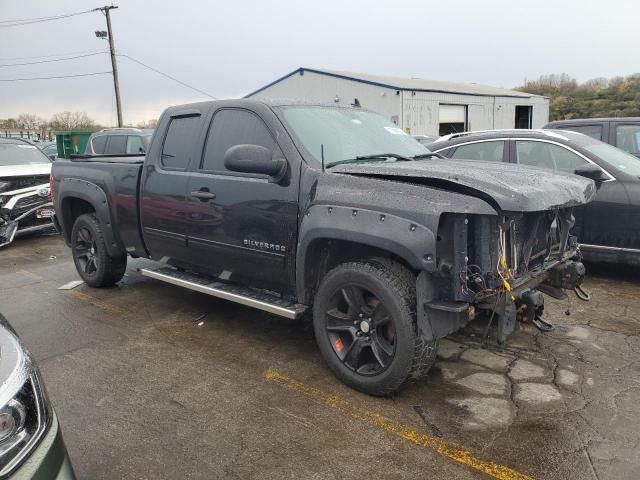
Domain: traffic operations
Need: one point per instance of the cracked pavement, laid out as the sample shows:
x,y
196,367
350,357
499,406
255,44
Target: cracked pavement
x,y
152,381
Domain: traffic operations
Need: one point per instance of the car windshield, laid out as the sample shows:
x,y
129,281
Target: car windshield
x,y
344,134
623,161
21,154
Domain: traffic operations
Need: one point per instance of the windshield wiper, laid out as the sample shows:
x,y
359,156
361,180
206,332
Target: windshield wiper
x,y
378,156
427,155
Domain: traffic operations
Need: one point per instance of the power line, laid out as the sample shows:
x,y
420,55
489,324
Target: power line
x,y
78,52
166,75
55,60
53,77
29,21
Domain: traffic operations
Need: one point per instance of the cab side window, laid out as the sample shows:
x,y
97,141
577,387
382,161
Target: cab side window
x,y
232,127
547,155
489,151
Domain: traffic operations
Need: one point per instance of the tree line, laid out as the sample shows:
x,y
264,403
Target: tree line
x,y
60,121
599,97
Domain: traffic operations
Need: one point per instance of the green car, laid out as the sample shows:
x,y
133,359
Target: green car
x,y
31,444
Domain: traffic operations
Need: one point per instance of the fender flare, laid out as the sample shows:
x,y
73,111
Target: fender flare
x,y
412,242
94,195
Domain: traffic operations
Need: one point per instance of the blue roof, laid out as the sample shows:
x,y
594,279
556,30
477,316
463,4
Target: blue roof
x,y
407,84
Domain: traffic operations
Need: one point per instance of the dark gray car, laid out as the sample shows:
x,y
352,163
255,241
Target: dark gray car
x,y
608,228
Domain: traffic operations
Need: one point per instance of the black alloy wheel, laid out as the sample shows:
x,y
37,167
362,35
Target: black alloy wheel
x,y
91,257
360,330
86,251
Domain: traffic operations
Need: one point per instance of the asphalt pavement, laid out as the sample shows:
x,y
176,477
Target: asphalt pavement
x,y
151,381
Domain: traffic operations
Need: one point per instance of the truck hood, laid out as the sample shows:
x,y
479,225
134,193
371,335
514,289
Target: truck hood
x,y
24,170
509,187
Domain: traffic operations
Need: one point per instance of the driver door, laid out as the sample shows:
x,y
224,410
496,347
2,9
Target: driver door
x,y
241,227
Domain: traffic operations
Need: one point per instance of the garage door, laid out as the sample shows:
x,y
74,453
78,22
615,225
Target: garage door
x,y
452,118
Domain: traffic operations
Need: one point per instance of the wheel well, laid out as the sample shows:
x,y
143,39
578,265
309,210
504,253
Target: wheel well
x,y
72,208
325,254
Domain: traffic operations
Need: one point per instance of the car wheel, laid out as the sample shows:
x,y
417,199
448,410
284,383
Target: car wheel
x,y
93,262
364,320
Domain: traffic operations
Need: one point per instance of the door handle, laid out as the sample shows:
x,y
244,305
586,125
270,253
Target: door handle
x,y
203,195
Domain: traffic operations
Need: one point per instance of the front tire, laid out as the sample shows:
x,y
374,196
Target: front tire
x,y
364,319
90,256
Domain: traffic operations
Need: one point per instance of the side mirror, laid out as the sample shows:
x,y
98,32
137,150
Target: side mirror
x,y
591,171
254,159
53,157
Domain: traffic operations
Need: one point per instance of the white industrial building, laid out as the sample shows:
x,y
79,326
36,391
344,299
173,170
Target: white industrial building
x,y
420,107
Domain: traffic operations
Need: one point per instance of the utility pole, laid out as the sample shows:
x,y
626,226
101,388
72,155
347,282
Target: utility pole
x,y
114,66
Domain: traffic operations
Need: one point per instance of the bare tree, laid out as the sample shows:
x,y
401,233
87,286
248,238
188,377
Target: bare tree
x,y
29,121
71,120
153,123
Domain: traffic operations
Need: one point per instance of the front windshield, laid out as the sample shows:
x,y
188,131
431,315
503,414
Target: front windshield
x,y
623,161
345,134
21,154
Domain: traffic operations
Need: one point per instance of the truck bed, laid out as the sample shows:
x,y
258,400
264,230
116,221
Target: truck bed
x,y
118,177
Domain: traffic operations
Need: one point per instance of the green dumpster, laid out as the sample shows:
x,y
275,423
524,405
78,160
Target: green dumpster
x,y
72,142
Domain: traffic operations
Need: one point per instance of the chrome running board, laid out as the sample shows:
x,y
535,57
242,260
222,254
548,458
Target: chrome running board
x,y
242,295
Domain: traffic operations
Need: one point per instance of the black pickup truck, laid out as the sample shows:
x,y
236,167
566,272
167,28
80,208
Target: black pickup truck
x,y
330,210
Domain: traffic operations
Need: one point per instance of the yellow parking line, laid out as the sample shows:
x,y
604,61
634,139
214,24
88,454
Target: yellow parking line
x,y
97,303
407,434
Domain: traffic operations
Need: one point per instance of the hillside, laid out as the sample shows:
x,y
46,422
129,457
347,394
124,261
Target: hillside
x,y
600,97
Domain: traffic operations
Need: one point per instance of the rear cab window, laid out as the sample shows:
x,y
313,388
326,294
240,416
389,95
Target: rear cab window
x,y
179,141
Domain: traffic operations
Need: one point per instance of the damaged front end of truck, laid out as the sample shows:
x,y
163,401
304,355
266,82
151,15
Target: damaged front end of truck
x,y
499,267
25,206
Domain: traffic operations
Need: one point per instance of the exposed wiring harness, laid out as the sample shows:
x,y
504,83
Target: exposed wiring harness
x,y
504,272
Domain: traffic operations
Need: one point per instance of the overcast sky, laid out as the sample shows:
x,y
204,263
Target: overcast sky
x,y
230,48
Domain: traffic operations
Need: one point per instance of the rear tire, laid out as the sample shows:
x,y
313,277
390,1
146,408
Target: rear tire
x,y
364,319
90,256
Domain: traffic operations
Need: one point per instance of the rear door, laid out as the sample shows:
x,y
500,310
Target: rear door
x,y
241,226
164,184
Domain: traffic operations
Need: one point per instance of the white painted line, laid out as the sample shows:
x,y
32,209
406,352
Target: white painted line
x,y
71,285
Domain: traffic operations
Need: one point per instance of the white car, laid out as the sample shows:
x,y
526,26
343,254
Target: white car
x,y
25,203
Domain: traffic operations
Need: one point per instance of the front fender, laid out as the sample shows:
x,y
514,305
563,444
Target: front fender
x,y
414,243
91,193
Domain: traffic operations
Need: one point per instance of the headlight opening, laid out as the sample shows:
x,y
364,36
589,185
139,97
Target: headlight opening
x,y
23,421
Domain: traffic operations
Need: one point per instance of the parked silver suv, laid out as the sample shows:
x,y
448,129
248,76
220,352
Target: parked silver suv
x,y
118,141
